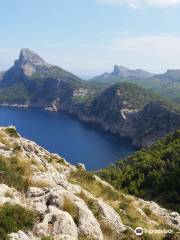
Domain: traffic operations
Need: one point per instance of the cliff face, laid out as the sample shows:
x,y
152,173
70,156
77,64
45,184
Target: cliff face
x,y
129,111
154,122
32,81
143,127
68,202
124,109
30,66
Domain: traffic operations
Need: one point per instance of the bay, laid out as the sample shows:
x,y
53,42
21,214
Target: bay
x,y
62,133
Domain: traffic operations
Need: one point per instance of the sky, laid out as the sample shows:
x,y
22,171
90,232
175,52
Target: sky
x,y
88,37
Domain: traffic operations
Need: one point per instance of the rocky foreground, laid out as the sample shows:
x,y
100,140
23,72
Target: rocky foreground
x,y
69,203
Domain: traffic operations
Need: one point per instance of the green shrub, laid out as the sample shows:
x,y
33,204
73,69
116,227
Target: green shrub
x,y
151,173
11,173
47,238
82,176
14,218
16,93
12,132
3,234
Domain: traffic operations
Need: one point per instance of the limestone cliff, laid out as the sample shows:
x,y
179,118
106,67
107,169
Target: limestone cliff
x,y
129,111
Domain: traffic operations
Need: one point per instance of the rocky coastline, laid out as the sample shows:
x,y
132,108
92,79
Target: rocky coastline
x,y
136,126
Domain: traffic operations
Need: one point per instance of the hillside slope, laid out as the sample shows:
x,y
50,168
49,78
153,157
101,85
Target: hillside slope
x,y
34,82
151,173
124,109
44,197
166,84
30,66
131,111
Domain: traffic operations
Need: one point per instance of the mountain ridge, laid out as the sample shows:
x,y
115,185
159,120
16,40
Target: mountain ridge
x,y
122,72
131,112
166,84
171,74
119,108
30,66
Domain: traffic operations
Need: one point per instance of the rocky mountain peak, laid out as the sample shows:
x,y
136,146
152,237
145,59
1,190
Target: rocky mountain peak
x,y
29,62
119,70
123,72
29,56
30,66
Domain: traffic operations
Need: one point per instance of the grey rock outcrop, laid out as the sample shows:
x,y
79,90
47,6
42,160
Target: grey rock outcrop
x,y
87,223
110,219
171,218
30,57
61,224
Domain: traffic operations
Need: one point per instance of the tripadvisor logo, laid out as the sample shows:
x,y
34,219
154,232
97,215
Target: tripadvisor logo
x,y
139,231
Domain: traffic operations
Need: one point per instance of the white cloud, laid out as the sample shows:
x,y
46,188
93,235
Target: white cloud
x,y
139,3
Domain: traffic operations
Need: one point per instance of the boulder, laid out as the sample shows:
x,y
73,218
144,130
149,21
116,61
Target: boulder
x,y
171,218
20,235
81,166
110,220
57,223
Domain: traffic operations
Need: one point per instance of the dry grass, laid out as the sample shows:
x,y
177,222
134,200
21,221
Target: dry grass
x,y
70,207
91,203
36,165
39,184
107,231
4,139
83,237
89,182
118,200
26,166
9,194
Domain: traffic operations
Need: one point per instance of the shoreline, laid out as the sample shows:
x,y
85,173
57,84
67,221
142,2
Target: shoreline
x,y
94,124
14,105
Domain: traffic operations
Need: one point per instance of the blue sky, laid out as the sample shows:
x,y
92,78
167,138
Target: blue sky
x,y
88,37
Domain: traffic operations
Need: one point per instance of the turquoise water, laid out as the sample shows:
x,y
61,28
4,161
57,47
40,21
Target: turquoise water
x,y
64,134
